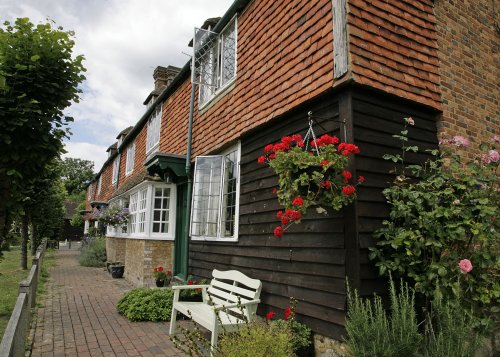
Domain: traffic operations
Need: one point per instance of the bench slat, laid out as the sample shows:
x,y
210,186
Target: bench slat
x,y
235,275
226,297
238,290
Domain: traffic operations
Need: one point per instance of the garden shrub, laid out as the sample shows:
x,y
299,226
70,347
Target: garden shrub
x,y
373,332
144,304
94,253
258,340
445,213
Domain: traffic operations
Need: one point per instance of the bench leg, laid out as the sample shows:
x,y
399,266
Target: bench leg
x,y
213,341
173,319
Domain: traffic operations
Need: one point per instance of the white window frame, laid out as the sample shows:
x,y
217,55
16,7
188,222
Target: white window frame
x,y
116,169
90,191
208,92
153,131
219,237
129,166
99,185
148,189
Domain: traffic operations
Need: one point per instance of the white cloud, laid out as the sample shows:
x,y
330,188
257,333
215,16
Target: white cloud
x,y
122,41
86,151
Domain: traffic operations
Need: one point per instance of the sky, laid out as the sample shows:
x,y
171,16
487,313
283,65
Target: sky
x,y
123,41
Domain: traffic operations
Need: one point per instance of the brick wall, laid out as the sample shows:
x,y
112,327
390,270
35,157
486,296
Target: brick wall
x,y
468,51
115,249
141,257
134,261
156,253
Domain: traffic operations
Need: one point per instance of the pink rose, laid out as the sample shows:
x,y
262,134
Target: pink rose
x,y
465,266
461,141
494,155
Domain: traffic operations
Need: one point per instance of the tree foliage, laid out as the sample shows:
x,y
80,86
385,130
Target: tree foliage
x,y
39,78
76,173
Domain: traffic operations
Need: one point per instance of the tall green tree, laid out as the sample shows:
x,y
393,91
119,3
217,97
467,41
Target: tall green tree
x,y
39,78
76,173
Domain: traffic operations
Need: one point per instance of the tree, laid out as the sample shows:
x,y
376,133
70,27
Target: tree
x,y
38,79
76,173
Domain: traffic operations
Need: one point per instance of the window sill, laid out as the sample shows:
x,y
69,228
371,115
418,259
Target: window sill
x,y
218,95
141,237
213,239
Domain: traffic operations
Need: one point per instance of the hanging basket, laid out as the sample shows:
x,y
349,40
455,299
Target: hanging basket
x,y
311,171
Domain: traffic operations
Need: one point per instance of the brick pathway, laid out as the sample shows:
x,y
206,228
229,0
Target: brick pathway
x,y
79,316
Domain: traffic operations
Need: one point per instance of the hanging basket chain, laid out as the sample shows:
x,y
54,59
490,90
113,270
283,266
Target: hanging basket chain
x,y
311,134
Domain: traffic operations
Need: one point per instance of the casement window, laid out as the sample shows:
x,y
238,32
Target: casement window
x,y
90,192
153,134
219,65
99,185
214,214
151,212
116,169
129,166
161,210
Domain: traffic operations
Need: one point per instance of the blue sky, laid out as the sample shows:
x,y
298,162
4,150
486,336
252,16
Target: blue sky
x,y
123,41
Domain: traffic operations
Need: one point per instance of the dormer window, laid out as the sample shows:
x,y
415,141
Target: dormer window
x,y
153,135
218,64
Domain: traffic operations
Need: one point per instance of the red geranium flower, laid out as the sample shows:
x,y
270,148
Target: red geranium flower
x,y
270,315
278,231
269,148
324,163
347,175
361,179
284,220
326,184
294,215
160,268
288,311
298,201
261,159
348,190
279,214
190,282
272,156
275,190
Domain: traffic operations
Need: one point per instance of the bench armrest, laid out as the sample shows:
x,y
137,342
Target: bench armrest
x,y
230,306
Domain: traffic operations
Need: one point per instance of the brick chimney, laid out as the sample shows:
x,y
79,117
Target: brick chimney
x,y
162,76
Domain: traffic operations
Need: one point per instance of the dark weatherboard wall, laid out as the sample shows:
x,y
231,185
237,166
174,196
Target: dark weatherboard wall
x,y
310,262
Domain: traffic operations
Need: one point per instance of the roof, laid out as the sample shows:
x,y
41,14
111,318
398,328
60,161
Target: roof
x,y
125,131
113,146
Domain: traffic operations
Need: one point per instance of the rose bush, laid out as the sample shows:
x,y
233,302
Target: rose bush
x,y
443,219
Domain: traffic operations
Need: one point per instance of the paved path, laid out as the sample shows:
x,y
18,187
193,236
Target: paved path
x,y
79,316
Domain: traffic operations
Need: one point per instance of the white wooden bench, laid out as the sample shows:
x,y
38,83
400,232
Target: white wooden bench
x,y
230,295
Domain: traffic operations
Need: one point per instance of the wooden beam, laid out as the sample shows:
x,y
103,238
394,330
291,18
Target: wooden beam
x,y
351,234
340,50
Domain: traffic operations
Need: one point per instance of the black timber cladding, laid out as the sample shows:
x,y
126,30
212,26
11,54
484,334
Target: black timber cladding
x,y
376,117
311,260
307,263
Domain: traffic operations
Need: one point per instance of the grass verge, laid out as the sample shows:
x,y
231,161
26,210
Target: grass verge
x,y
11,275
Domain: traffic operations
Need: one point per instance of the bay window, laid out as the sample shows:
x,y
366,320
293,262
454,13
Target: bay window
x,y
214,214
151,212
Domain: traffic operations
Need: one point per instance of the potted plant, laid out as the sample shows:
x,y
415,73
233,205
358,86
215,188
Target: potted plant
x,y
310,174
162,276
117,270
